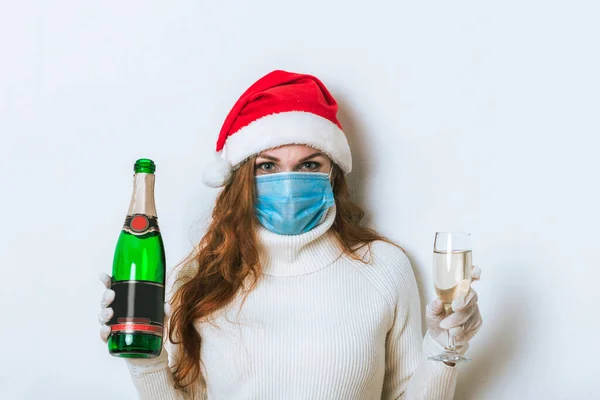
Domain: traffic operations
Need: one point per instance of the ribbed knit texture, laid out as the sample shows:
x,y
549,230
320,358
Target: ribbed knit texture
x,y
319,325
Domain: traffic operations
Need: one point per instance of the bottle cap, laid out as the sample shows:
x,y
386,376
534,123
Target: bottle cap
x,y
144,165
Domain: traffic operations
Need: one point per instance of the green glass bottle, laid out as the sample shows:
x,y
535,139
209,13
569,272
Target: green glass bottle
x,y
138,274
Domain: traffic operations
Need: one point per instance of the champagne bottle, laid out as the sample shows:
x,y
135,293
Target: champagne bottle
x,y
138,274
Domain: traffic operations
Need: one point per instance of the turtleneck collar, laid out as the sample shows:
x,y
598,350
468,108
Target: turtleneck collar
x,y
289,255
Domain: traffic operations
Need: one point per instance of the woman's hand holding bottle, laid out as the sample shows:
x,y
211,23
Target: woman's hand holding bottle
x,y
136,365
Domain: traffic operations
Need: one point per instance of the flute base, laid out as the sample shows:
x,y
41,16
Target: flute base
x,y
449,356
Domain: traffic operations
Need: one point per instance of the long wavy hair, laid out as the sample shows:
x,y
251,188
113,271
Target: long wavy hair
x,y
228,254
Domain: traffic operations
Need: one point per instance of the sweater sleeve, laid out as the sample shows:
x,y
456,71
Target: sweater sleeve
x,y
154,382
156,385
408,373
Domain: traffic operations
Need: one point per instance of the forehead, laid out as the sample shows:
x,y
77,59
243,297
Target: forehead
x,y
290,150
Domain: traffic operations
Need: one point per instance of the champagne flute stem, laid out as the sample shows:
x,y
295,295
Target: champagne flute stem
x,y
450,346
450,342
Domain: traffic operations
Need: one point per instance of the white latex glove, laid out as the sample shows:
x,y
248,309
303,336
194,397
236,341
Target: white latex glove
x,y
463,323
136,365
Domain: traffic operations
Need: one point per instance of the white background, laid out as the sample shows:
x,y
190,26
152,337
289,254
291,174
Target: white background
x,y
462,115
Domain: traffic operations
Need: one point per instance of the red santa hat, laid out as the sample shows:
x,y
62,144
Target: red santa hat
x,y
280,108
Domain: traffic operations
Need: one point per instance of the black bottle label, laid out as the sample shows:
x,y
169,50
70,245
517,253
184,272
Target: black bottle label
x,y
138,307
140,224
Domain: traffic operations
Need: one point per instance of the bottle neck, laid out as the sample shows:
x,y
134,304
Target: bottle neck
x,y
142,200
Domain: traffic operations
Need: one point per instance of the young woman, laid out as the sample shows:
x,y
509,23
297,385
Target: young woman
x,y
287,296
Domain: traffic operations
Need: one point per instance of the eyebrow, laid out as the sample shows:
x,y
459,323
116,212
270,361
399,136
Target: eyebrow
x,y
271,158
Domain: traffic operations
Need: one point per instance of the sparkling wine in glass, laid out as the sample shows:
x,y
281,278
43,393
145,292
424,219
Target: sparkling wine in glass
x,y
452,268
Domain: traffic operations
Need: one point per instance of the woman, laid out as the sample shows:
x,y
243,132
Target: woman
x,y
287,296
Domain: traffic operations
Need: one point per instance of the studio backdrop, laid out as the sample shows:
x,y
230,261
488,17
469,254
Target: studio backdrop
x,y
461,115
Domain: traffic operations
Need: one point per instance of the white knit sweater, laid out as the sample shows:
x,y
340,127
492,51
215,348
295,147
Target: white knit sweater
x,y
317,326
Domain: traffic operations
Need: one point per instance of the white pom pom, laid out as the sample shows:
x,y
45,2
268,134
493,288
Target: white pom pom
x,y
217,173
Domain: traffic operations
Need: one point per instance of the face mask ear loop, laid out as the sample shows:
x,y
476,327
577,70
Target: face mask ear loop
x,y
329,176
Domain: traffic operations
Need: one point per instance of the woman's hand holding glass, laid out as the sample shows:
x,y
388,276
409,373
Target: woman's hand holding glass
x,y
462,324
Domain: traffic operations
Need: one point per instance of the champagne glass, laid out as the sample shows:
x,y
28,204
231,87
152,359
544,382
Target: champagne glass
x,y
452,269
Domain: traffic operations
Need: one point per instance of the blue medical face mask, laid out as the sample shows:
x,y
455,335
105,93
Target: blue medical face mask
x,y
290,203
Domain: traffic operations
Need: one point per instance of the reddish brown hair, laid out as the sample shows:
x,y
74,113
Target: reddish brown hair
x,y
228,254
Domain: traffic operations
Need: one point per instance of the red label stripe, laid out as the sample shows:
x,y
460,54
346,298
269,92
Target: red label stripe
x,y
136,327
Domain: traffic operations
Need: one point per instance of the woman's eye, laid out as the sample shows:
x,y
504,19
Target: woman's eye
x,y
310,165
268,166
